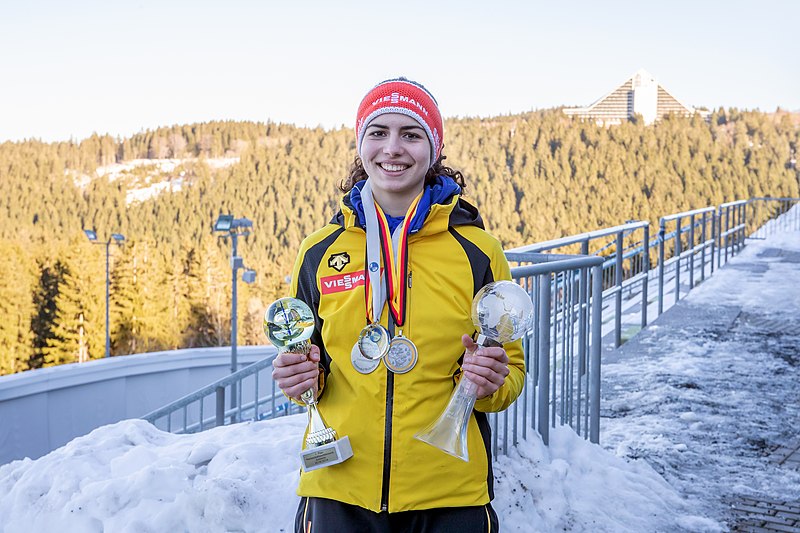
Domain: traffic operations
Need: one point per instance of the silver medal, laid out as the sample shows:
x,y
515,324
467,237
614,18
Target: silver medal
x,y
361,363
402,355
373,341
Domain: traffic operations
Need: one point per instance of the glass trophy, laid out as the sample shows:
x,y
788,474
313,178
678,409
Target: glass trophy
x,y
502,312
289,323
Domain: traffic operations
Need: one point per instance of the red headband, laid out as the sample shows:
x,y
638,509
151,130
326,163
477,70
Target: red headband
x,y
402,96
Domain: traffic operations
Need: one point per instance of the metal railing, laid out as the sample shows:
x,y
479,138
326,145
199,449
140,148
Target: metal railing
x,y
732,217
562,352
562,356
257,398
625,268
574,297
699,241
767,215
694,235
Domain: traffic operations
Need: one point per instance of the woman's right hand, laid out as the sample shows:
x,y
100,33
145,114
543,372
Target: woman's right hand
x,y
295,373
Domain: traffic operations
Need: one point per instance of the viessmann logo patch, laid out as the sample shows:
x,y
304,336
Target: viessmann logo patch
x,y
342,282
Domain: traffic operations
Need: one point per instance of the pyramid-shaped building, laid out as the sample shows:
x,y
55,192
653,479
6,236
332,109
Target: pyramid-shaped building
x,y
640,94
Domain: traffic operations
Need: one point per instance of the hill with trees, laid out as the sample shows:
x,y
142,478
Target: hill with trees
x,y
535,177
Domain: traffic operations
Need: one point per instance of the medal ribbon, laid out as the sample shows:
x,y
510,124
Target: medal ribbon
x,y
395,258
372,285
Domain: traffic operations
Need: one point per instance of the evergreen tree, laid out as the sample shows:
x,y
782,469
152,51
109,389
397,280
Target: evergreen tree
x,y
534,176
79,332
16,307
51,277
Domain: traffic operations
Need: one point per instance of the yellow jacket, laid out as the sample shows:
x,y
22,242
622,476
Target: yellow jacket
x,y
449,259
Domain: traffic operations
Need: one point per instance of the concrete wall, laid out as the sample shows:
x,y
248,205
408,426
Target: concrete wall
x,y
41,410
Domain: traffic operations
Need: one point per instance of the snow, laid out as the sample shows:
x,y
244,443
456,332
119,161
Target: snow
x,y
145,193
116,170
132,477
691,411
706,402
140,188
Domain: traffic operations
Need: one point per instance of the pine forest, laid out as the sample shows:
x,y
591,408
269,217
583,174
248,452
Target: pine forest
x,y
534,176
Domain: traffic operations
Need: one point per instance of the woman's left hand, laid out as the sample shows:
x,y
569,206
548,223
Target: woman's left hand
x,y
485,366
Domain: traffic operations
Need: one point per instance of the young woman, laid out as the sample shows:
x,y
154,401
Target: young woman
x,y
403,257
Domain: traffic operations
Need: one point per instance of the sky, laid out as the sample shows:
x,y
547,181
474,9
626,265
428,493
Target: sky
x,y
70,69
687,418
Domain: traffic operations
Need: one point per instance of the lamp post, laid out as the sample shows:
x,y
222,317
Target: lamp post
x,y
234,228
118,239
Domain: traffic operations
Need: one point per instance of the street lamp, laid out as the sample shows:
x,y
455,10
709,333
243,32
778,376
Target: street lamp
x,y
234,228
116,238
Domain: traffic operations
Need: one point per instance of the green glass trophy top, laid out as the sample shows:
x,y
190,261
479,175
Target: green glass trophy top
x,y
502,311
288,321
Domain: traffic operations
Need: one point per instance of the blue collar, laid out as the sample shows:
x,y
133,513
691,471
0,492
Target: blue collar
x,y
438,192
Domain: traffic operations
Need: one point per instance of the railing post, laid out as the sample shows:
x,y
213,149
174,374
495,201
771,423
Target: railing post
x,y
739,230
594,383
662,235
691,255
678,252
744,221
703,236
618,295
646,270
583,339
714,248
255,399
737,213
727,232
717,236
534,348
526,350
744,224
220,414
553,368
543,382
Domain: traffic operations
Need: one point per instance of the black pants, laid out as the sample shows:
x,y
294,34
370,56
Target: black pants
x,y
318,515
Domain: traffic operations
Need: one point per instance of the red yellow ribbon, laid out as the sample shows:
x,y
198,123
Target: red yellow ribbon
x,y
395,263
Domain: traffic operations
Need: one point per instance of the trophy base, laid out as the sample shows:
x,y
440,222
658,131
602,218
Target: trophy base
x,y
329,454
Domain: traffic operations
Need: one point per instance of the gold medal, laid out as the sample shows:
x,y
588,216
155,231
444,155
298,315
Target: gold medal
x,y
402,355
373,341
361,363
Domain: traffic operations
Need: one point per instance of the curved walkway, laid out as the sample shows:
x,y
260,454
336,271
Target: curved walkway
x,y
708,394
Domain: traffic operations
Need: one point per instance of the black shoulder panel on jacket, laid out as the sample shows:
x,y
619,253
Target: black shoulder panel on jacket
x,y
307,284
308,291
338,218
486,434
481,275
479,262
465,214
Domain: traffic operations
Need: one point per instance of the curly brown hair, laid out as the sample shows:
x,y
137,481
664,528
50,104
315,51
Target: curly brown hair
x,y
357,173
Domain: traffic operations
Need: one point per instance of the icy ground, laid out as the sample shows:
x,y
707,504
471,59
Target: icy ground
x,y
691,410
707,396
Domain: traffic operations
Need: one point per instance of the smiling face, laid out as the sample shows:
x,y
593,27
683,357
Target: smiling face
x,y
396,155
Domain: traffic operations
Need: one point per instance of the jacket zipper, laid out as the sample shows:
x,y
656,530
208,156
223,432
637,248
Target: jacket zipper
x,y
387,432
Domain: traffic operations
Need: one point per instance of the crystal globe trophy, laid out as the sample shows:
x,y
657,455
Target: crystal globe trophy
x,y
502,312
289,323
